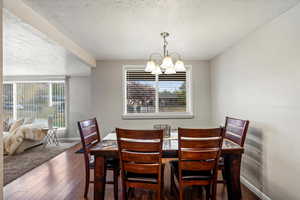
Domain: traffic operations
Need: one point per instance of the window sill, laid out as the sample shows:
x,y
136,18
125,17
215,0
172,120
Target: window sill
x,y
159,116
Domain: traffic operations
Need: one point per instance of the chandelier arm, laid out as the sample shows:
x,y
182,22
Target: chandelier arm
x,y
153,54
179,57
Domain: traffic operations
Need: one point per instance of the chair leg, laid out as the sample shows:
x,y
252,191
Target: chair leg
x,y
130,193
172,189
181,193
162,182
87,183
207,192
158,194
124,189
214,191
223,176
160,191
116,176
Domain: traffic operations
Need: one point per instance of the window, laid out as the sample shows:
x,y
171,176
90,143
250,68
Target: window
x,y
35,100
156,96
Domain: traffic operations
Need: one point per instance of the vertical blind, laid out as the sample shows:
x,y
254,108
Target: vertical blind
x,y
59,104
35,100
147,93
8,100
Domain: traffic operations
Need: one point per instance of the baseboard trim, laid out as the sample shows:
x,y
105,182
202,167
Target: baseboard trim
x,y
254,189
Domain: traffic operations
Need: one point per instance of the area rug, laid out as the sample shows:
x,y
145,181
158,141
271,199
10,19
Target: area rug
x,y
17,165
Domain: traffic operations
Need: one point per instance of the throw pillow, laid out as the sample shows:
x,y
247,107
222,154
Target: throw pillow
x,y
6,125
16,125
28,121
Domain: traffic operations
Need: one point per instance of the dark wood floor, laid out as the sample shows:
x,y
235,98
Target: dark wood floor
x,y
63,178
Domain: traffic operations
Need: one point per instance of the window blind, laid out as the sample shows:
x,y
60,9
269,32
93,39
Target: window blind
x,y
147,93
35,100
8,100
172,92
140,91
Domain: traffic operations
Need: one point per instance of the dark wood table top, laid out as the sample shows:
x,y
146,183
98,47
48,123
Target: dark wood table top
x,y
109,148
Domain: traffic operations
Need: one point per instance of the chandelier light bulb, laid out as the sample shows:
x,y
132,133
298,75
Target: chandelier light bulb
x,y
167,62
179,66
150,66
170,70
156,70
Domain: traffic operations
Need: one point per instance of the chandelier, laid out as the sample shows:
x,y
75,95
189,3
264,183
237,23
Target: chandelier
x,y
159,64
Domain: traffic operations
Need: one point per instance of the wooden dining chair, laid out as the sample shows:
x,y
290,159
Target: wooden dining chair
x,y
198,154
90,135
235,131
140,154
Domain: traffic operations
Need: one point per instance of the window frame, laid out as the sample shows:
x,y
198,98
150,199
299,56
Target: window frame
x,y
158,115
41,79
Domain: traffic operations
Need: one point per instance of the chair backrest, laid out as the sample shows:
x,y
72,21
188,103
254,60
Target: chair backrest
x,y
199,149
140,151
236,130
89,134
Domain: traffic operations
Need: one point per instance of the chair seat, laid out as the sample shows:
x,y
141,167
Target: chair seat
x,y
190,175
111,163
143,178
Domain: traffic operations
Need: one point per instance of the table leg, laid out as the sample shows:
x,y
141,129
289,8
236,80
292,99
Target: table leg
x,y
99,178
232,167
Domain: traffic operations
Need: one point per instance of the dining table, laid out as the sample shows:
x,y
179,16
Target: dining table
x,y
108,148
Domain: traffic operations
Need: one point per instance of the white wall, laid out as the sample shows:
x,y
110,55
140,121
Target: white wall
x,y
107,97
259,80
79,103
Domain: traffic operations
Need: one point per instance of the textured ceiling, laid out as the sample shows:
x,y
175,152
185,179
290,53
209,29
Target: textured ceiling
x,y
129,29
29,52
